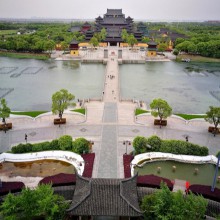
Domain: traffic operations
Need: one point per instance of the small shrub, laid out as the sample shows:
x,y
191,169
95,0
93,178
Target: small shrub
x,y
218,154
65,142
140,145
80,146
168,146
154,142
54,144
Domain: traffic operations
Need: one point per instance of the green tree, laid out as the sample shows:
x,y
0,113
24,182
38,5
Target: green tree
x,y
131,40
124,35
213,116
61,100
145,39
94,41
167,205
64,45
103,34
80,146
31,204
49,46
4,110
176,52
160,108
162,47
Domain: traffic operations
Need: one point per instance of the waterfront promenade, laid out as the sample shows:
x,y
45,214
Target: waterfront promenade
x,y
108,123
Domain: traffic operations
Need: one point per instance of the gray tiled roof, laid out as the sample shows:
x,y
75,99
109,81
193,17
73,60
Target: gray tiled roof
x,y
114,20
105,197
114,12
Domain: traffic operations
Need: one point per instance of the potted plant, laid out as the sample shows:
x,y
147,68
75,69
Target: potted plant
x,y
162,109
213,116
61,100
5,113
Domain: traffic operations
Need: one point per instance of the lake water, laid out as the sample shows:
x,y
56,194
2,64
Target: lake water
x,y
29,84
187,87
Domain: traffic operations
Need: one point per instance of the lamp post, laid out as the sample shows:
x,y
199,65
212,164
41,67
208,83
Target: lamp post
x,y
126,143
215,176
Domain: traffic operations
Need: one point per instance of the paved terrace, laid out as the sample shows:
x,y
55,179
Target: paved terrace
x,y
108,124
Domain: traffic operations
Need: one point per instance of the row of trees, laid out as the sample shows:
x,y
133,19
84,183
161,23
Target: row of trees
x,y
160,108
164,204
208,49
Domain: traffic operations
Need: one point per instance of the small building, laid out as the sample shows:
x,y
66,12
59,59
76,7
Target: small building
x,y
106,198
74,48
152,49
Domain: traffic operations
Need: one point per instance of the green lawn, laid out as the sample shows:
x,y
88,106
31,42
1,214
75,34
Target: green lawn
x,y
25,55
32,114
197,58
189,117
8,32
80,110
139,111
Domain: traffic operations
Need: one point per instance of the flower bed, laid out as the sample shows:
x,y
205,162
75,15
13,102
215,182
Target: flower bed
x,y
153,181
206,192
89,161
61,179
126,161
12,187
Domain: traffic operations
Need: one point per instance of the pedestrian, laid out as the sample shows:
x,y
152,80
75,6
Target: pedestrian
x,y
187,138
25,138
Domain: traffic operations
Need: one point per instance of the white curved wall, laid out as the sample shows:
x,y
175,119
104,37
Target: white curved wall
x,y
155,156
75,159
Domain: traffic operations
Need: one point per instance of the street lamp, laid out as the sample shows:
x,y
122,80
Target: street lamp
x,y
126,143
215,176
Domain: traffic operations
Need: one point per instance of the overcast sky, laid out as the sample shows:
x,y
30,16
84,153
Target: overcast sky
x,y
138,9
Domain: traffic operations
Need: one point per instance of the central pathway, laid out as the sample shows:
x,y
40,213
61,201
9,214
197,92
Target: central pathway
x,y
108,164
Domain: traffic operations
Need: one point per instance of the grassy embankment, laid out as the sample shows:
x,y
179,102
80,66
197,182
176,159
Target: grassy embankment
x,y
197,58
24,55
31,114
139,111
80,110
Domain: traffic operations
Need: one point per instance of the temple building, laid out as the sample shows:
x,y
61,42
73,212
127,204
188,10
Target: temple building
x,y
114,22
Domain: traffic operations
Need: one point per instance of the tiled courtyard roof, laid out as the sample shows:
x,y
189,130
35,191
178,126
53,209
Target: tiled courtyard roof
x,y
105,197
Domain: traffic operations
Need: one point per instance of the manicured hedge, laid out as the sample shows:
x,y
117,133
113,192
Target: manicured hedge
x,y
80,145
153,181
155,144
206,192
12,187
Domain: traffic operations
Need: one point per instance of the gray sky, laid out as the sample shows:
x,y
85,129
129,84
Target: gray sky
x,y
138,9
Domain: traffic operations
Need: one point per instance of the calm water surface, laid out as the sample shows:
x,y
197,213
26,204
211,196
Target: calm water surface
x,y
29,84
183,171
187,87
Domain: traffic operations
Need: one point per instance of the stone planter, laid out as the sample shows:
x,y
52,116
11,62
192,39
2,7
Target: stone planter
x,y
213,130
161,123
58,121
6,126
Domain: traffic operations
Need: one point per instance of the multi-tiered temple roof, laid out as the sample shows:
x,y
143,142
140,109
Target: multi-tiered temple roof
x,y
114,22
